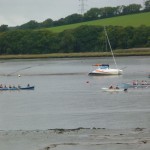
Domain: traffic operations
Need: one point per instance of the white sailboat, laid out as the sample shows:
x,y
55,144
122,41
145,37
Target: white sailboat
x,y
104,69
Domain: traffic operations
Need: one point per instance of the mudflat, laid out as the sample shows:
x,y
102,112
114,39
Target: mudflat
x,y
76,139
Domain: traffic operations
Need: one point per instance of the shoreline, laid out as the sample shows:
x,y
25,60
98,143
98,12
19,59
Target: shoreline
x,y
118,53
79,138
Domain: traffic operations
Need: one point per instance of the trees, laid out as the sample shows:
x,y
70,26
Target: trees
x,y
30,25
87,38
132,8
82,39
47,23
92,14
96,13
3,28
74,18
147,5
109,12
67,41
141,36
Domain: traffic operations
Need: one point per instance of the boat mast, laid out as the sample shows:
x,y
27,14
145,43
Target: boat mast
x,y
110,47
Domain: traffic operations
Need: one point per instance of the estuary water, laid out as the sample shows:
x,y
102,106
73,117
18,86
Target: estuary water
x,y
66,97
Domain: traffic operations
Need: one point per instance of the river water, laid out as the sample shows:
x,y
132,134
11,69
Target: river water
x,y
66,97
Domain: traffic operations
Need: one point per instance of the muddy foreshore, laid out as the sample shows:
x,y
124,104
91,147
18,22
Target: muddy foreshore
x,y
76,139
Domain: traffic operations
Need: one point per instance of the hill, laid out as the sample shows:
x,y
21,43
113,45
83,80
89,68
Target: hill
x,y
134,20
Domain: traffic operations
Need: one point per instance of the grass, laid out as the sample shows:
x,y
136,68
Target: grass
x,y
127,52
134,20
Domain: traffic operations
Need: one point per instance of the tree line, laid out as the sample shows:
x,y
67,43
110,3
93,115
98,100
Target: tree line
x,y
82,39
92,14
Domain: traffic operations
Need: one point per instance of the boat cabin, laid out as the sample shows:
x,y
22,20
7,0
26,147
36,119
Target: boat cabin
x,y
104,66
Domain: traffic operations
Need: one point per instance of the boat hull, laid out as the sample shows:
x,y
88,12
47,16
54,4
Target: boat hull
x,y
102,72
27,88
113,90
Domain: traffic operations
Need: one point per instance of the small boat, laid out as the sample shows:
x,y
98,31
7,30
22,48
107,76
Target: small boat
x,y
103,69
27,88
16,88
113,89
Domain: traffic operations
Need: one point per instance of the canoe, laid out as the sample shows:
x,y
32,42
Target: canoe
x,y
113,90
17,88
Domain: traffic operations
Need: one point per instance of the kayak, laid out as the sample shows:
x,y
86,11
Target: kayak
x,y
113,89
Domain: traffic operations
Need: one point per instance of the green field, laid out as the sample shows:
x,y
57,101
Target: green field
x,y
134,20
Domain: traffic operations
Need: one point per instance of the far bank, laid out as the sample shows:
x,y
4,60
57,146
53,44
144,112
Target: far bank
x,y
125,52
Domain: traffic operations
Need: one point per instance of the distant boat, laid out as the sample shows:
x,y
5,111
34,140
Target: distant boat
x,y
130,85
104,69
27,88
113,89
17,88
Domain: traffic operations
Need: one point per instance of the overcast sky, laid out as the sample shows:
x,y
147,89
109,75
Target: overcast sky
x,y
18,12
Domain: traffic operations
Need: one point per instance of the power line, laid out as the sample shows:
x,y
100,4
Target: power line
x,y
82,6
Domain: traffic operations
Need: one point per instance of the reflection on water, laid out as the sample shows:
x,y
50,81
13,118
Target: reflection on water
x,y
66,97
45,74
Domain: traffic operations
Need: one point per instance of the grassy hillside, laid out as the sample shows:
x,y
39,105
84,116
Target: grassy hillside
x,y
134,20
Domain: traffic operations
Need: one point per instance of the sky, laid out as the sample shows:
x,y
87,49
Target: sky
x,y
18,12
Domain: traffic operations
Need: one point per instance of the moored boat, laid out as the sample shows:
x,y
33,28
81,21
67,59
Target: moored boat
x,y
103,69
